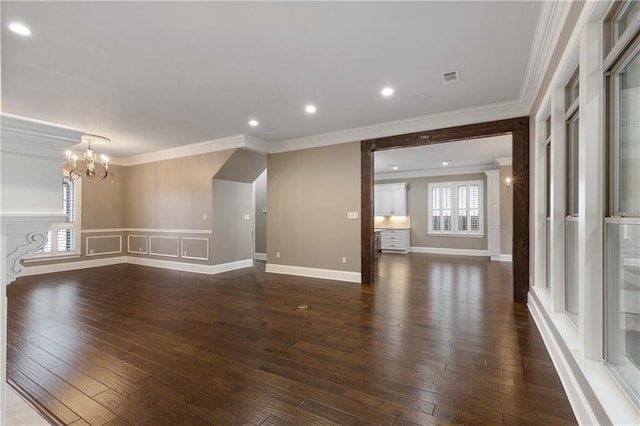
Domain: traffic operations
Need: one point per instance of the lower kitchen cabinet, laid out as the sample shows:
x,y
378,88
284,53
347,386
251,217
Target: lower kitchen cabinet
x,y
395,240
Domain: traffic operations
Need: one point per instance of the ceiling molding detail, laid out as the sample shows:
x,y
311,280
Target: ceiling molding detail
x,y
454,171
504,161
231,142
481,114
25,136
548,29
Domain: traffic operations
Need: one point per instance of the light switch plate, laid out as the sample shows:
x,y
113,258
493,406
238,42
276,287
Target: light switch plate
x,y
246,217
352,215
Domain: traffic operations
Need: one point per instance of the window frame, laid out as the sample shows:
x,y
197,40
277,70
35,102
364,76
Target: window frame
x,y
454,232
613,213
59,226
612,119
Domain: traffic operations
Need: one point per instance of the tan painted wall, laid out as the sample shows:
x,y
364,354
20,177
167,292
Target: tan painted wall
x,y
418,211
172,194
231,240
506,212
103,202
310,192
261,218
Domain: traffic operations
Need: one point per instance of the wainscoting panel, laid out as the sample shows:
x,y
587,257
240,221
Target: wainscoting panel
x,y
164,246
98,245
194,248
137,244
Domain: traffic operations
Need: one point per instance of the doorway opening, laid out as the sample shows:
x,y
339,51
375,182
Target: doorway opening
x,y
518,128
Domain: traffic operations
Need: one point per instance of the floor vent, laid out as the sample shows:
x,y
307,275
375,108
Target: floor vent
x,y
450,77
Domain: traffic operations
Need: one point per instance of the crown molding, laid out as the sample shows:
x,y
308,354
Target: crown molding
x,y
34,138
231,142
504,161
550,22
258,145
433,172
490,112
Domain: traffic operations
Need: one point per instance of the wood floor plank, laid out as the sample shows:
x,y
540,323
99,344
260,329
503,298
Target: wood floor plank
x,y
436,340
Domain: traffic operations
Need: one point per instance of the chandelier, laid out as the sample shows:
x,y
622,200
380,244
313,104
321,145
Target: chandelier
x,y
93,170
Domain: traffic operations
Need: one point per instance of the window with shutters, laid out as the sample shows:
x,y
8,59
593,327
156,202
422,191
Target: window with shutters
x,y
456,208
64,238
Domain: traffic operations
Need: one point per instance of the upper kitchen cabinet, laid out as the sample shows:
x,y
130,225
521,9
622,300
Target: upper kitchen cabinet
x,y
390,199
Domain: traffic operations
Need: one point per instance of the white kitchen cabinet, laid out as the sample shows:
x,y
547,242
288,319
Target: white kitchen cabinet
x,y
395,240
390,199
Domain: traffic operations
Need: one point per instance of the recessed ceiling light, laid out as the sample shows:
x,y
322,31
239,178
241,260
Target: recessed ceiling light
x,y
310,109
19,28
394,167
445,163
387,91
253,123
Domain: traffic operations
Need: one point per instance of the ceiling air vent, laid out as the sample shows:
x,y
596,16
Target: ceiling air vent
x,y
450,77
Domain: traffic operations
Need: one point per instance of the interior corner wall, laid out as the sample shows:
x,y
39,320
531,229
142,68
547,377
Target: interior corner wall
x,y
506,212
260,186
232,221
172,194
310,192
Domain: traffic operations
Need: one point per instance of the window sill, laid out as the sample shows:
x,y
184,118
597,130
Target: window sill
x,y
438,234
46,258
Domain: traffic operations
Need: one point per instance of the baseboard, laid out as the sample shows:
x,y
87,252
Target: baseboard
x,y
585,404
502,257
191,267
327,274
156,263
72,266
260,256
451,251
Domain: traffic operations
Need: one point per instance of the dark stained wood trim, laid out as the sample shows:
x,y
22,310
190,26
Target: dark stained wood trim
x,y
366,219
518,128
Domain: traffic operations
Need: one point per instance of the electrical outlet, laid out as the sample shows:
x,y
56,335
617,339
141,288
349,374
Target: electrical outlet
x,y
184,253
139,248
344,260
278,254
204,216
90,251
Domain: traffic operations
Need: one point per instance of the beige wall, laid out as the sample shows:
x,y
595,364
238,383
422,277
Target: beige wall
x,y
260,186
506,212
231,238
172,194
310,192
103,203
418,211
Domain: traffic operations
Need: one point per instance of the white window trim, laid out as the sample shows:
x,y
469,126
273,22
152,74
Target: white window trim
x,y
454,209
77,199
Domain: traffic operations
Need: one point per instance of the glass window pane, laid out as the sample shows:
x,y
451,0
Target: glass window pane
x,y
446,197
435,221
571,269
446,220
572,166
65,241
462,197
474,196
628,122
626,17
622,304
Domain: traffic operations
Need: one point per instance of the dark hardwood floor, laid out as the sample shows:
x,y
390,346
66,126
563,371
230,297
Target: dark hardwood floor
x,y
437,340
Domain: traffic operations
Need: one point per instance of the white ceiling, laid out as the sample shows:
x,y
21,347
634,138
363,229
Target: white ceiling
x,y
156,75
461,155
